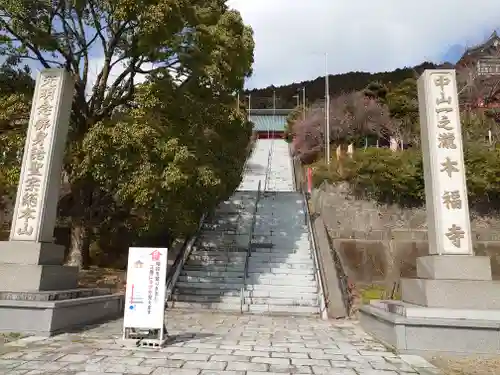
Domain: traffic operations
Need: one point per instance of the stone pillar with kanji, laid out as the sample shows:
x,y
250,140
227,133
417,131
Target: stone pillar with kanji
x,y
450,271
30,260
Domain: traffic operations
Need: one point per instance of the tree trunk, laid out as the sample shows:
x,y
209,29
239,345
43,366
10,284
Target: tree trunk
x,y
79,251
81,228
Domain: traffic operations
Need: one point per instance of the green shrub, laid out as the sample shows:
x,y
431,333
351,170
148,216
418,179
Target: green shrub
x,y
397,177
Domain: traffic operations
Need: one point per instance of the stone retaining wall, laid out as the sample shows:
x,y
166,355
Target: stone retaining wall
x,y
376,261
380,243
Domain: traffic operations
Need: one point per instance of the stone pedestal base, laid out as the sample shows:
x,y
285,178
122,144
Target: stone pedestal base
x,y
454,267
28,277
412,329
34,266
49,313
452,308
38,294
452,294
24,252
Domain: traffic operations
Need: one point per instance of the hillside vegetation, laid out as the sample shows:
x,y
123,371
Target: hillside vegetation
x,y
339,83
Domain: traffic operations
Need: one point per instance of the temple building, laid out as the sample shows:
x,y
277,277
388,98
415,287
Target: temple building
x,y
485,58
269,123
483,63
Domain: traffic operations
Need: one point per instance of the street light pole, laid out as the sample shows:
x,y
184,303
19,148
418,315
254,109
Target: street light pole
x,y
327,110
274,113
303,103
249,96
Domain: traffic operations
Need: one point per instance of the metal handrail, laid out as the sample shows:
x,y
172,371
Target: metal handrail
x,y
249,249
294,172
269,157
181,258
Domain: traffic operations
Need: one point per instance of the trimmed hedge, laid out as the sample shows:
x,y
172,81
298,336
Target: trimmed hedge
x,y
397,177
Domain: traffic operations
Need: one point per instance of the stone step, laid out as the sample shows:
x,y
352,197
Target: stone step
x,y
213,292
277,292
217,306
209,262
281,310
257,266
283,288
203,273
220,237
269,230
211,280
215,286
279,258
285,238
219,233
280,276
210,235
280,281
223,245
206,298
281,262
220,252
282,271
220,249
216,267
312,301
281,251
224,257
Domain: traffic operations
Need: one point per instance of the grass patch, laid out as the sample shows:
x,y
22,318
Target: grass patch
x,y
374,291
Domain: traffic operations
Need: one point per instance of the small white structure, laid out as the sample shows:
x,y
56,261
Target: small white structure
x,y
350,150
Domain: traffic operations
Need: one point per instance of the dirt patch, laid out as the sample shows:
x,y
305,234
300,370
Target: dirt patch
x,y
96,277
467,365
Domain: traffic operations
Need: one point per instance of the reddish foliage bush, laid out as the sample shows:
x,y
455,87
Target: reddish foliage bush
x,y
352,116
309,139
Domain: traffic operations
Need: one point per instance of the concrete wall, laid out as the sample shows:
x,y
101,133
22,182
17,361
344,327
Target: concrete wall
x,y
380,243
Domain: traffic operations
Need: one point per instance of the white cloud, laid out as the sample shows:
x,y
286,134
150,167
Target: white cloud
x,y
292,36
96,65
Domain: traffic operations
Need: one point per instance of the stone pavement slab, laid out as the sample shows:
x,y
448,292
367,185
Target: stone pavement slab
x,y
205,343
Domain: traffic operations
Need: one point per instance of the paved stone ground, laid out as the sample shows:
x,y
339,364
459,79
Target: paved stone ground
x,y
215,344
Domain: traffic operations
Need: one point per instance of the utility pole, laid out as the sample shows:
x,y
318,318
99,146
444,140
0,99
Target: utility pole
x,y
238,102
304,103
327,110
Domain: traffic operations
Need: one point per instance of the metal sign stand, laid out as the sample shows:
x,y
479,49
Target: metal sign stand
x,y
145,338
144,315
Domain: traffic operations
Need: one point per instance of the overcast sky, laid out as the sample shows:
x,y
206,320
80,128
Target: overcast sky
x,y
292,36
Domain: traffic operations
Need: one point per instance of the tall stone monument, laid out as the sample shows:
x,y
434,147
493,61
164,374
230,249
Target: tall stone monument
x,y
34,283
453,296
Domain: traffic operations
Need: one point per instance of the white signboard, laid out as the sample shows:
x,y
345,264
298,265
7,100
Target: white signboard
x,y
38,190
145,290
444,170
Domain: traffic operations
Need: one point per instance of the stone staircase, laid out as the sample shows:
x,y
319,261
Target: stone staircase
x,y
281,274
213,275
